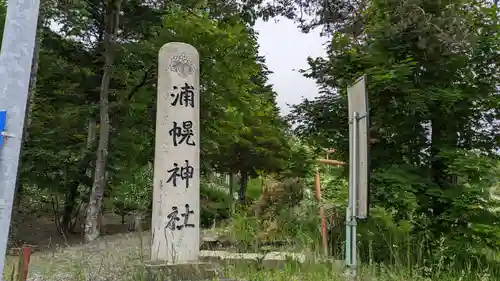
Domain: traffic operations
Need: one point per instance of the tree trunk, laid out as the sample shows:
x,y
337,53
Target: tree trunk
x,y
69,207
92,229
231,192
443,137
91,139
243,187
136,221
102,223
69,204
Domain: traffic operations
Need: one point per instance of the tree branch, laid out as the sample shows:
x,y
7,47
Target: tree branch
x,y
145,79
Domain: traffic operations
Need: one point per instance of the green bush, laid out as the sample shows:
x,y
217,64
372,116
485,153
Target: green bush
x,y
254,188
245,229
278,220
215,203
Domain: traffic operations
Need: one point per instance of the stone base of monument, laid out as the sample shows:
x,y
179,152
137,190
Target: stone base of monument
x,y
161,271
268,260
210,261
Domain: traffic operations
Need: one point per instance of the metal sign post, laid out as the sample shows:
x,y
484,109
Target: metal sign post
x,y
358,103
358,170
15,67
351,222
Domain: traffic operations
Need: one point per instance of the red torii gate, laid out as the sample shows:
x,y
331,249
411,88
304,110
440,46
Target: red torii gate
x,y
318,195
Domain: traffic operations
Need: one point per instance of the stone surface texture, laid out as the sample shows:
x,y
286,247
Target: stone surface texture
x,y
175,236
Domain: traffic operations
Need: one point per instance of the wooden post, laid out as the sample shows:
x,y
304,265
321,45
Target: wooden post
x,y
321,213
330,162
318,198
25,263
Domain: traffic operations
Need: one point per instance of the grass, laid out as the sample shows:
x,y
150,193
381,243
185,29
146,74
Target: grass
x,y
119,257
107,258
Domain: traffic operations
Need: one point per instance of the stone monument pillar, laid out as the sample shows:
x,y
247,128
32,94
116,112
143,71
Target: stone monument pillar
x,y
176,195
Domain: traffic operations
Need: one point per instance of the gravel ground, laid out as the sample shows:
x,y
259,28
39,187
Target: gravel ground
x,y
115,257
105,260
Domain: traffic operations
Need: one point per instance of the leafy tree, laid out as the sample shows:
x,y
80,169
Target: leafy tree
x,y
134,193
240,124
61,153
433,104
53,157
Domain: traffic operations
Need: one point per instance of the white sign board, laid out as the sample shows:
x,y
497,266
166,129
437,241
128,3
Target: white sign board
x,y
176,193
358,103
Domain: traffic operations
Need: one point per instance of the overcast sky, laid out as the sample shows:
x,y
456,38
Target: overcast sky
x,y
286,50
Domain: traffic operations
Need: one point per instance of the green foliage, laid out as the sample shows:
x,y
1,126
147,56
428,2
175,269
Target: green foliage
x,y
215,203
334,187
300,225
471,213
241,129
254,188
432,69
244,229
297,228
433,113
397,187
300,162
134,192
